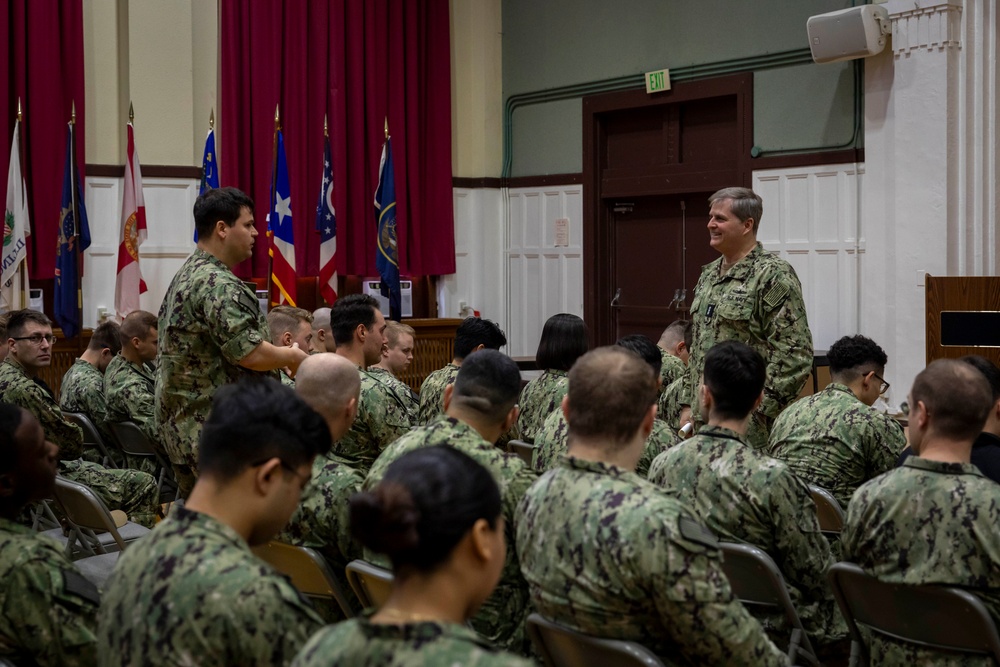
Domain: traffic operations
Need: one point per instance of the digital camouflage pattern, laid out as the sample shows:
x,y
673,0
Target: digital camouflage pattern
x,y
927,522
758,301
410,400
192,593
48,610
742,495
552,443
361,643
382,418
608,554
35,396
131,491
671,368
432,393
540,398
833,440
286,380
208,321
670,404
501,618
129,389
82,390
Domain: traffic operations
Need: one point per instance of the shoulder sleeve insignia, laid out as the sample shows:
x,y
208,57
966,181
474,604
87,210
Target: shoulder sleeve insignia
x,y
246,300
76,584
693,531
776,295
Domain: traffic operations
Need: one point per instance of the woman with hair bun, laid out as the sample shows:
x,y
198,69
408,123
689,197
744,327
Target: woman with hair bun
x,y
436,514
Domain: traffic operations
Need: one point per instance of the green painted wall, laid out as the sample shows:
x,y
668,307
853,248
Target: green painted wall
x,y
553,43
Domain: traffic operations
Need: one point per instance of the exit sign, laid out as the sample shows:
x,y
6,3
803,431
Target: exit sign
x,y
658,81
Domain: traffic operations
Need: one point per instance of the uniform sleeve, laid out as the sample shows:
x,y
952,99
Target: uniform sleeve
x,y
887,443
786,330
68,436
233,319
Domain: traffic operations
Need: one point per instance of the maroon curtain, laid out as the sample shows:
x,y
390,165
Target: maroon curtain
x,y
44,67
360,63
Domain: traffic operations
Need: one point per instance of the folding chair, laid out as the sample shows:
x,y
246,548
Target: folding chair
x,y
942,618
522,449
308,571
757,582
87,514
134,442
372,584
828,511
561,647
91,437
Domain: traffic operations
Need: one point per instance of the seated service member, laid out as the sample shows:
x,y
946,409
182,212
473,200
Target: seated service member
x,y
674,346
192,591
82,387
322,334
551,442
608,554
130,382
473,334
30,342
934,519
479,407
743,495
289,327
48,611
437,515
396,357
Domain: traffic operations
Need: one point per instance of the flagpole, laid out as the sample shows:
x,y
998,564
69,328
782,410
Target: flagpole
x,y
75,207
22,268
270,205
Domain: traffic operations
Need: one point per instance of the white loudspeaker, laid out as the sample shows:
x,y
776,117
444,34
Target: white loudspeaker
x,y
857,32
35,300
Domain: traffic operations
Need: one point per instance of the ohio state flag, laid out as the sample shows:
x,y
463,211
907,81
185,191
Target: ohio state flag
x,y
129,284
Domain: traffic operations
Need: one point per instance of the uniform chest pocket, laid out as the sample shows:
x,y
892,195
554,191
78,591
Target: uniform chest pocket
x,y
736,310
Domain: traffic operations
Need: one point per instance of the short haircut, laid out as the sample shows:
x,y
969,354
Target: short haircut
x,y
643,347
348,313
677,331
956,395
224,204
735,374
321,319
475,331
257,419
488,382
10,420
325,383
19,320
989,371
106,336
286,318
425,504
3,325
610,391
853,356
137,325
744,203
393,330
564,340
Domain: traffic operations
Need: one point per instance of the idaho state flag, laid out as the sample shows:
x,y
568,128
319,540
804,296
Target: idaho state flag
x,y
74,237
279,228
129,284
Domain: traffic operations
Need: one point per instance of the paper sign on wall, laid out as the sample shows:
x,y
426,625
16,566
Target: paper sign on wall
x,y
562,232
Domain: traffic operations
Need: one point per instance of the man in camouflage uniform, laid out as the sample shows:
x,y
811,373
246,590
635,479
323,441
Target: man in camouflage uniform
x,y
551,442
608,554
48,610
290,326
396,357
359,329
82,387
834,439
131,491
479,408
322,334
674,346
211,329
473,334
192,591
745,496
752,296
934,519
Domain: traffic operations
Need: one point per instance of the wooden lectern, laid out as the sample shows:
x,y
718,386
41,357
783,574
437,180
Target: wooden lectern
x,y
963,317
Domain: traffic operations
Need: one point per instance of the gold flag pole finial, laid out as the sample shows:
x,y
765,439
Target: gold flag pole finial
x,y
72,115
211,119
387,128
277,116
326,129
20,117
131,112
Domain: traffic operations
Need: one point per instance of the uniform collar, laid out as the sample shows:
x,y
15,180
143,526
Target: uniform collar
x,y
742,269
419,632
942,467
721,432
598,467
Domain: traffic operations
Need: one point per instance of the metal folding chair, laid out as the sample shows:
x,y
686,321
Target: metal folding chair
x,y
134,442
522,449
92,526
372,584
561,647
91,437
308,570
828,511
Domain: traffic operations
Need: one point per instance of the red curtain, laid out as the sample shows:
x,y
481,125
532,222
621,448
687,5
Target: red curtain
x,y
361,63
44,67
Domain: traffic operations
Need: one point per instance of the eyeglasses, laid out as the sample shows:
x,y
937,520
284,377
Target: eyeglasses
x,y
36,339
295,473
884,387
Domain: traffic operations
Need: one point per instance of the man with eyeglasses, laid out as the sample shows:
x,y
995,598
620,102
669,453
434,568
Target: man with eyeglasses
x,y
835,439
29,343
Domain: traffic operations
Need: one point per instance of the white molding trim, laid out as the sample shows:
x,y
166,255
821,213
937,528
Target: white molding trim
x,y
930,25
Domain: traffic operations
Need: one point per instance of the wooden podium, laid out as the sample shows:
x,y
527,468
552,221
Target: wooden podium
x,y
963,317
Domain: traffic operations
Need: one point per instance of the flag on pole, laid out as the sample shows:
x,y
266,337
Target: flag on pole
x,y
74,232
387,253
326,224
129,283
279,228
209,168
16,227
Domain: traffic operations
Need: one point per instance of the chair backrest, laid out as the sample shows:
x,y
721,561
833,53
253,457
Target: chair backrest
x,y
934,617
85,509
828,511
561,647
308,571
91,436
372,584
132,440
522,449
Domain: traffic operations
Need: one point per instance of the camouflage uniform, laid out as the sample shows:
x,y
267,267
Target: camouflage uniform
x,y
671,368
552,443
833,440
410,400
382,418
609,554
286,380
208,322
48,610
745,496
129,391
669,406
360,643
757,301
131,491
501,618
82,390
432,393
192,593
540,398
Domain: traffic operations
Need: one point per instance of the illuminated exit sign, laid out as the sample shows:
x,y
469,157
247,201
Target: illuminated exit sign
x,y
658,81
